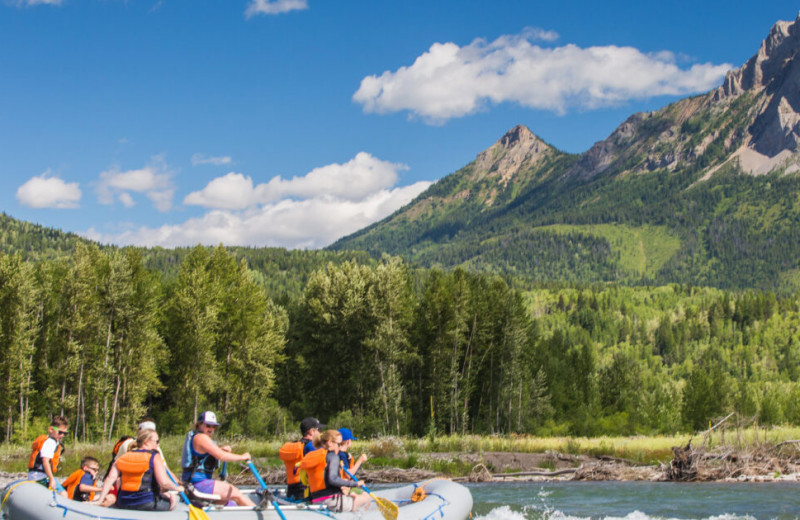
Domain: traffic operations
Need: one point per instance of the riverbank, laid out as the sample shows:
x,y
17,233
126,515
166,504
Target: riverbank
x,y
737,454
552,466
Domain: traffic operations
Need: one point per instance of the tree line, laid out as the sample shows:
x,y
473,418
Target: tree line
x,y
380,346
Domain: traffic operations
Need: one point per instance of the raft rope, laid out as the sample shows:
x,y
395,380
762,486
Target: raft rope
x,y
424,494
10,489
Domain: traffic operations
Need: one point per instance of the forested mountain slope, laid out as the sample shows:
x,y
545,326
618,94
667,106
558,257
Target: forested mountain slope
x,y
703,191
281,272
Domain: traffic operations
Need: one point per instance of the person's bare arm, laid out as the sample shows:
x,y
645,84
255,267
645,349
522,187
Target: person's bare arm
x,y
204,444
108,483
160,471
357,464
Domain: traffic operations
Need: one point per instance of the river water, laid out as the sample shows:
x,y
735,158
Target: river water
x,y
635,501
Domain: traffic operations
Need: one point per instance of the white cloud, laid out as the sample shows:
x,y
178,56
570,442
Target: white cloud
x,y
199,158
126,199
353,181
450,81
303,212
154,180
304,224
274,7
45,191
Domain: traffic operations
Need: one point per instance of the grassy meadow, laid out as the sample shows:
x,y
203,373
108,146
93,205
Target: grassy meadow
x,y
409,453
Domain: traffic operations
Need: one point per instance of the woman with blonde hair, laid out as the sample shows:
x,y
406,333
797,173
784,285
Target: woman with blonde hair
x,y
143,477
324,479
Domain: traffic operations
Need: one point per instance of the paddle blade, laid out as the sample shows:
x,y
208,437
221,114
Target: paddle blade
x,y
388,509
195,513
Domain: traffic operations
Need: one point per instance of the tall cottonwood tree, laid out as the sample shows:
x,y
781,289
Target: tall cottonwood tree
x,y
19,323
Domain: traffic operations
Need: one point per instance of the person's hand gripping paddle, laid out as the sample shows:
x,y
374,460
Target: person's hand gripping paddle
x,y
388,509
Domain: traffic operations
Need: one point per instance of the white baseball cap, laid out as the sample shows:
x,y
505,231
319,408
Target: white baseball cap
x,y
210,418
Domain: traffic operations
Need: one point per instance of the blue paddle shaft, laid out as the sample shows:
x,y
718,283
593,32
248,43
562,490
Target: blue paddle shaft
x,y
263,485
183,495
354,478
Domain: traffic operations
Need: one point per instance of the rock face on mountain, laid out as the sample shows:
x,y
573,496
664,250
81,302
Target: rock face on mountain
x,y
762,135
668,181
514,151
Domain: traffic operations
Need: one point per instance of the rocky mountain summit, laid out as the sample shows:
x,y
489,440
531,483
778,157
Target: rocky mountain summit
x,y
754,118
663,198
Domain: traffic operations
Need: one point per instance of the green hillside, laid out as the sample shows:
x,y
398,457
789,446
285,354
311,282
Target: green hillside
x,y
704,191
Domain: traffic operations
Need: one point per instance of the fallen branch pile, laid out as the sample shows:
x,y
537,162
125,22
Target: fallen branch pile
x,y
734,460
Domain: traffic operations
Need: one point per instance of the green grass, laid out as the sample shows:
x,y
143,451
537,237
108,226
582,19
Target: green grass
x,y
642,250
406,453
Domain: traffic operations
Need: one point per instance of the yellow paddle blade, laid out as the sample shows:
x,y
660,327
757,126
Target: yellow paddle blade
x,y
195,513
387,508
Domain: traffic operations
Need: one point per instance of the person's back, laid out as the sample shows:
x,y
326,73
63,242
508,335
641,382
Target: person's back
x,y
138,486
143,477
291,454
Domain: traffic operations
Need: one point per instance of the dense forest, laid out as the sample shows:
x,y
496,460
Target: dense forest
x,y
99,336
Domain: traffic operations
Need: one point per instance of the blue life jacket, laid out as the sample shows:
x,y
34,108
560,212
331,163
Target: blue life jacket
x,y
196,466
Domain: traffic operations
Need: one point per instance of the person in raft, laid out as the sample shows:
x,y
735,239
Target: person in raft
x,y
143,478
82,483
125,444
309,428
45,454
347,461
324,481
201,456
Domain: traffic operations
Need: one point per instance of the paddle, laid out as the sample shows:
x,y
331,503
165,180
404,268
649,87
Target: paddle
x,y
223,473
388,509
263,485
195,513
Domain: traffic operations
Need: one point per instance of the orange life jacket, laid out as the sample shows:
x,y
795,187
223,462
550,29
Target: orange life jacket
x,y
314,465
115,450
135,470
35,460
73,485
291,453
349,467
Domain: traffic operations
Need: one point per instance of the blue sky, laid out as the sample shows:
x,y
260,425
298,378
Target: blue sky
x,y
294,122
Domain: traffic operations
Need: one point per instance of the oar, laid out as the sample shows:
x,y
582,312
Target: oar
x,y
263,485
388,509
195,513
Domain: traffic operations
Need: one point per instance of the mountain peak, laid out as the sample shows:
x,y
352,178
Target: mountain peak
x,y
770,62
519,134
518,148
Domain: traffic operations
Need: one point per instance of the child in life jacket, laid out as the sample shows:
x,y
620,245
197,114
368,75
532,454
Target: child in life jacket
x,y
347,460
143,477
325,483
46,452
82,483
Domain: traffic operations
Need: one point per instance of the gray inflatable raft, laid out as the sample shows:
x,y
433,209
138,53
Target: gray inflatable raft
x,y
444,500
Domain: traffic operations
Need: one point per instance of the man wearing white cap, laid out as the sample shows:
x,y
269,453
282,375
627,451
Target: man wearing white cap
x,y
201,456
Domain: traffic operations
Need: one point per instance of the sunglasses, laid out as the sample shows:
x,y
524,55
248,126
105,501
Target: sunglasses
x,y
62,432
